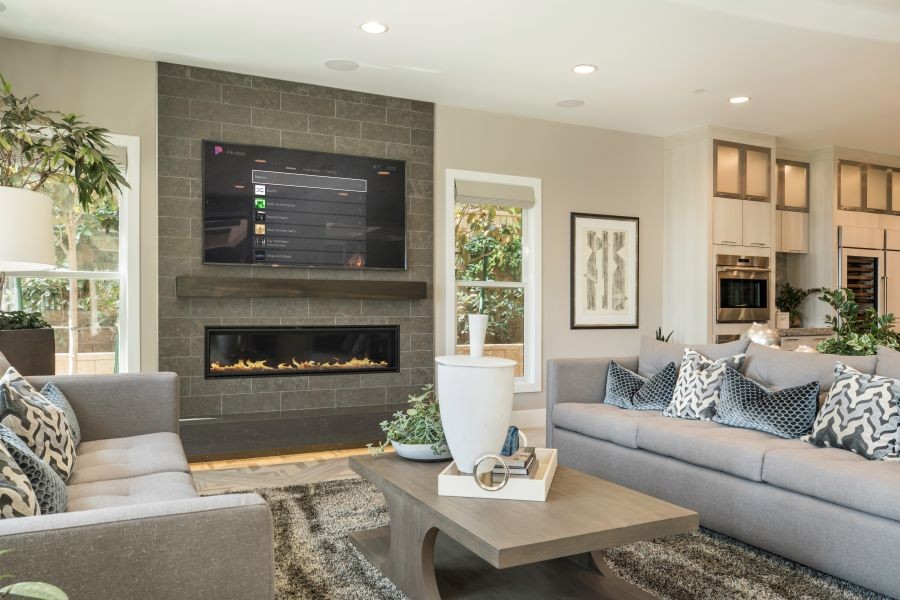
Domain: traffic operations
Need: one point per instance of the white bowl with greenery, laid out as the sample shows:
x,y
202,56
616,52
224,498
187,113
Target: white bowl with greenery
x,y
416,433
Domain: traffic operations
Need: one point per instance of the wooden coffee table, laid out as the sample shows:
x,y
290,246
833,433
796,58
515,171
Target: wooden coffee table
x,y
450,547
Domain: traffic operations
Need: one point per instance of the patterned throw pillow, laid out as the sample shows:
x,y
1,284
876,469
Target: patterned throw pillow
x,y
39,423
861,414
699,384
627,389
788,413
17,498
55,396
49,488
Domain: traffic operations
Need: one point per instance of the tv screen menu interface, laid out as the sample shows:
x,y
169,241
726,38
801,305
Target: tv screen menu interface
x,y
273,206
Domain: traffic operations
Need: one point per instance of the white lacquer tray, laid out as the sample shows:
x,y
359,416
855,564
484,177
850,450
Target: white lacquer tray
x,y
453,483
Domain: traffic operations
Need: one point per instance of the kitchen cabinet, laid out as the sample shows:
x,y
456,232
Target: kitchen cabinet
x,y
877,188
728,221
795,341
850,190
741,171
757,223
793,185
793,232
892,285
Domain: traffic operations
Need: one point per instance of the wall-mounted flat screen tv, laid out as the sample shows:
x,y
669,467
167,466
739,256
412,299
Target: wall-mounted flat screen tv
x,y
281,207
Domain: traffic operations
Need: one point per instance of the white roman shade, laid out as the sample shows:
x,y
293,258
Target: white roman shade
x,y
482,192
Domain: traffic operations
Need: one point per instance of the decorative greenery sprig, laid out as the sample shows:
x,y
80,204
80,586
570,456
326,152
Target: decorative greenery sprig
x,y
19,319
663,338
418,424
38,146
33,590
856,332
790,298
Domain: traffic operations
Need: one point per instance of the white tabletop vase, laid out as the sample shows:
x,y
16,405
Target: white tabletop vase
x,y
476,396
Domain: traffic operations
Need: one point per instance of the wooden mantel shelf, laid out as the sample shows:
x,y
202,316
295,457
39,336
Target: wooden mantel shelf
x,y
188,286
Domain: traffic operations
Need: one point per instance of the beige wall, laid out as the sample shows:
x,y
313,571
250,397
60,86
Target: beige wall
x,y
582,170
112,92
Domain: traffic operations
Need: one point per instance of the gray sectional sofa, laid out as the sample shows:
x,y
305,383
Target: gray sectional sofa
x,y
826,508
135,526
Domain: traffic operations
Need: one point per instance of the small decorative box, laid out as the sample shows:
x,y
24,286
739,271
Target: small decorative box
x,y
453,483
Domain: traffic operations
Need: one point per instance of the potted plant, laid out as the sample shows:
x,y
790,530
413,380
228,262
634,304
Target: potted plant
x,y
856,332
40,148
789,299
26,340
417,432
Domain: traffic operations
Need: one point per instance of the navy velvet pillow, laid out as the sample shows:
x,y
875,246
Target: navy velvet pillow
x,y
787,413
627,389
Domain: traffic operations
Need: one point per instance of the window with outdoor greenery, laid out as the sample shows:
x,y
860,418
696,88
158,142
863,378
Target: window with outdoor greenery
x,y
81,298
488,241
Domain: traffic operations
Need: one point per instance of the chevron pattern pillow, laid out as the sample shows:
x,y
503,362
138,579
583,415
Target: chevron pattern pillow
x,y
627,389
787,413
17,498
699,385
861,414
38,422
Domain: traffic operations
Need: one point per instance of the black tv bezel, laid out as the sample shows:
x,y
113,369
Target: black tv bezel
x,y
252,265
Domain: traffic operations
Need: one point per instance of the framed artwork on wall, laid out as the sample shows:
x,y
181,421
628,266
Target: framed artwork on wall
x,y
604,272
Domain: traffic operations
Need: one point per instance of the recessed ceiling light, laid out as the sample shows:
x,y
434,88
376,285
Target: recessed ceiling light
x,y
699,90
584,69
374,27
570,103
339,64
739,99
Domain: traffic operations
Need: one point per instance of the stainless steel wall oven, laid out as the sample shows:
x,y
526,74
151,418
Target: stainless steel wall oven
x,y
742,288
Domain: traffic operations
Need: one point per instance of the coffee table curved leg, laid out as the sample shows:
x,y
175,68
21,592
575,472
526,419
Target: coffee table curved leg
x,y
404,551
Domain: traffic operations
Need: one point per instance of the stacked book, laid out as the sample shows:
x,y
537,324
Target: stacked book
x,y
522,463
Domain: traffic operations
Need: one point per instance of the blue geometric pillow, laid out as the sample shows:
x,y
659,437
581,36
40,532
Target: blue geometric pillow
x,y
49,488
627,389
787,413
56,397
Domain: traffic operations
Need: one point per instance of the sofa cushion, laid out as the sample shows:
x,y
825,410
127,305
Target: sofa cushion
x,y
42,425
48,486
735,451
778,369
17,497
55,396
627,389
655,355
602,421
888,364
787,413
699,385
120,458
158,487
861,414
837,476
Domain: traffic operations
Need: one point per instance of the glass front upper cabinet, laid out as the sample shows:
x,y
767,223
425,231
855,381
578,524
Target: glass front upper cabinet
x,y
793,185
867,187
741,171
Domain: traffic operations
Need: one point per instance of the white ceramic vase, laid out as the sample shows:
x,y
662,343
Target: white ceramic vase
x,y
476,396
477,332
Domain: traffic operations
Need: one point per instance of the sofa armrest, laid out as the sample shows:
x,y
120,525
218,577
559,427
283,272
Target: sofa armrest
x,y
578,380
218,547
112,406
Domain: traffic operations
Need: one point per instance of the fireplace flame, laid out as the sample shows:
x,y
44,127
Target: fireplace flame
x,y
247,365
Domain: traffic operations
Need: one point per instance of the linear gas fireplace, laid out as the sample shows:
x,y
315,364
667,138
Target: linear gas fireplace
x,y
262,351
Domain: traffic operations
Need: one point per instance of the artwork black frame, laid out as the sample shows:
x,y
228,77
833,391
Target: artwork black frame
x,y
574,218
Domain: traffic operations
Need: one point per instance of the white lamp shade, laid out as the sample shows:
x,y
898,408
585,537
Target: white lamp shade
x,y
26,231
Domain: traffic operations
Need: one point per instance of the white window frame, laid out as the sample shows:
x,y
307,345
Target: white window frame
x,y
531,270
129,258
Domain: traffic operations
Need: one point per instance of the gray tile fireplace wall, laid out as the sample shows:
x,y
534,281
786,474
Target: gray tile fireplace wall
x,y
197,104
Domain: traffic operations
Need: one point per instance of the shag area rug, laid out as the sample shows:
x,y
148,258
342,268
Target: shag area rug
x,y
315,561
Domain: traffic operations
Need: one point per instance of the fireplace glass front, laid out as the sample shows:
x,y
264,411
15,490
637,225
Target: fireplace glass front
x,y
279,351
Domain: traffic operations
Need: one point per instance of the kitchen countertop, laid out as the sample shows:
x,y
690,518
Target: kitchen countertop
x,y
802,331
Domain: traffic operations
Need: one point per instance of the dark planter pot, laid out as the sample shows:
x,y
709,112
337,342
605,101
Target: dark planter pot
x,y
30,351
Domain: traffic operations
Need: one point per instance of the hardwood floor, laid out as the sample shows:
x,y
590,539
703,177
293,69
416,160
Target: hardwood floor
x,y
216,477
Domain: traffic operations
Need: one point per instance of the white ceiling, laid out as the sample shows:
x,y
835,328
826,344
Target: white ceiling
x,y
819,71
